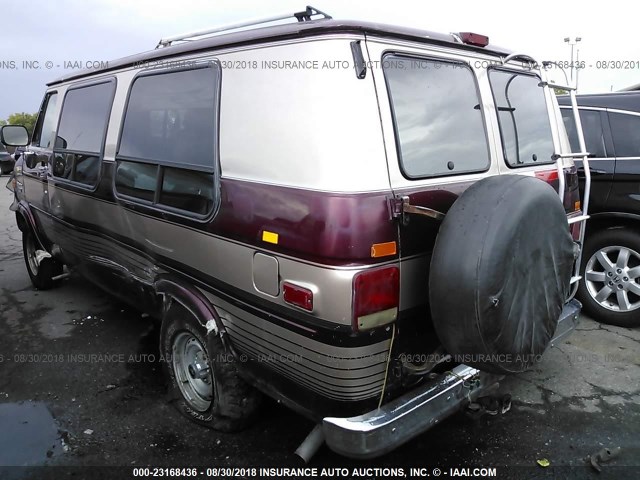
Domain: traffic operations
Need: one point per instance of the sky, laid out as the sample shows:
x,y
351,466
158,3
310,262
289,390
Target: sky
x,y
101,30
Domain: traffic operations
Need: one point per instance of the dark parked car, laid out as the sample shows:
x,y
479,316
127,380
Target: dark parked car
x,y
7,161
610,289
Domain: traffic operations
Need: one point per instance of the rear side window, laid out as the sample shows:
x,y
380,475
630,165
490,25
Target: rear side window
x,y
438,122
81,132
591,128
171,117
167,152
625,130
523,118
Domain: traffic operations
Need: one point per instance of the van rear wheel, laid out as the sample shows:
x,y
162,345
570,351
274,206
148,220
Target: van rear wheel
x,y
42,269
203,378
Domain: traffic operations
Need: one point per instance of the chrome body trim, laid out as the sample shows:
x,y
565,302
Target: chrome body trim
x,y
340,373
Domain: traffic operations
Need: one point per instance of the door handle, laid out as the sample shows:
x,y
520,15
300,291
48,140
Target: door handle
x,y
594,171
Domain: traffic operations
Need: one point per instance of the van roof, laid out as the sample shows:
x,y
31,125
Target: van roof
x,y
283,32
619,100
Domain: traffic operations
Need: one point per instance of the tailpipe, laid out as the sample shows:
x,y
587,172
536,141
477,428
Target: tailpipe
x,y
310,446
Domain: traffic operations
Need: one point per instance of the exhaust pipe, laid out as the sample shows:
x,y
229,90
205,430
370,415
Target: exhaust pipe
x,y
310,446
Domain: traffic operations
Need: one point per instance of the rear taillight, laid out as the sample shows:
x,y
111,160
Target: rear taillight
x,y
376,295
548,175
571,199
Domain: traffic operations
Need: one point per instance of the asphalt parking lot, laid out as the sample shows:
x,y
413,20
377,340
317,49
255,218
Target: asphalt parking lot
x,y
81,385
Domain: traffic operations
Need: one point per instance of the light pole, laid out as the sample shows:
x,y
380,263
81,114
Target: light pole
x,y
573,43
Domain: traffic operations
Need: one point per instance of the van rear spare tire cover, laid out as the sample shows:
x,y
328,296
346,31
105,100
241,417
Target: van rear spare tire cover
x,y
500,273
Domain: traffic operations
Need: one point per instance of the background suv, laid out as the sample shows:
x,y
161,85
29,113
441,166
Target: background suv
x,y
610,289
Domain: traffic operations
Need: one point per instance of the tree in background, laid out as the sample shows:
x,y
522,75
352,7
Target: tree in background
x,y
26,119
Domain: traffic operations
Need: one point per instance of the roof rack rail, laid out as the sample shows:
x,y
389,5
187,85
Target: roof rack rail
x,y
304,16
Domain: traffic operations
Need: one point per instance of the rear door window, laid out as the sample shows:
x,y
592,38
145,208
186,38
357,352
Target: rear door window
x,y
523,118
591,128
625,130
439,126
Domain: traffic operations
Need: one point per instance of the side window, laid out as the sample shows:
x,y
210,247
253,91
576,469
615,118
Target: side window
x,y
46,124
167,151
137,180
591,128
438,122
625,130
80,138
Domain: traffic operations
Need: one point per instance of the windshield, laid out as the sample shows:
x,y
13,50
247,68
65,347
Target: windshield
x,y
523,118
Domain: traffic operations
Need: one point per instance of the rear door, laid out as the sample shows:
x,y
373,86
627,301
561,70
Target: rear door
x,y
437,133
602,162
625,131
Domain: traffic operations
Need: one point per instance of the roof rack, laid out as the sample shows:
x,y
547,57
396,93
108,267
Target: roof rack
x,y
304,16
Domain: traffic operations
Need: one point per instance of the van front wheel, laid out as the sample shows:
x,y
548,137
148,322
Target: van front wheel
x,y
203,379
42,269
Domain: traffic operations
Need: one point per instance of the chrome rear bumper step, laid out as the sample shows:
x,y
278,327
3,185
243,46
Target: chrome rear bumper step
x,y
380,431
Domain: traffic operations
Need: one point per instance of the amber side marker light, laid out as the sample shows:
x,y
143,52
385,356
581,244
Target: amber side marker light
x,y
269,237
383,249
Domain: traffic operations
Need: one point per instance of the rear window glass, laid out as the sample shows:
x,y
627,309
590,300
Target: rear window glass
x,y
438,121
591,129
171,118
523,118
625,130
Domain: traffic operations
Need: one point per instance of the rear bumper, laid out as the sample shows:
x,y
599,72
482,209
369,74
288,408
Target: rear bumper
x,y
380,431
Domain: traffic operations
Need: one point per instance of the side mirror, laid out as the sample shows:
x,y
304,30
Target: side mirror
x,y
14,136
31,161
60,143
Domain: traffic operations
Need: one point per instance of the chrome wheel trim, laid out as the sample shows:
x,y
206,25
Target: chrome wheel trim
x,y
192,370
32,256
612,278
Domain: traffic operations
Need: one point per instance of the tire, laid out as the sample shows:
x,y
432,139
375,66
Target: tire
x,y
610,288
500,273
41,274
220,399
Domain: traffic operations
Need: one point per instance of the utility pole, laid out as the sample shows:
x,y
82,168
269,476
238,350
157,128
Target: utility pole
x,y
577,67
573,42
